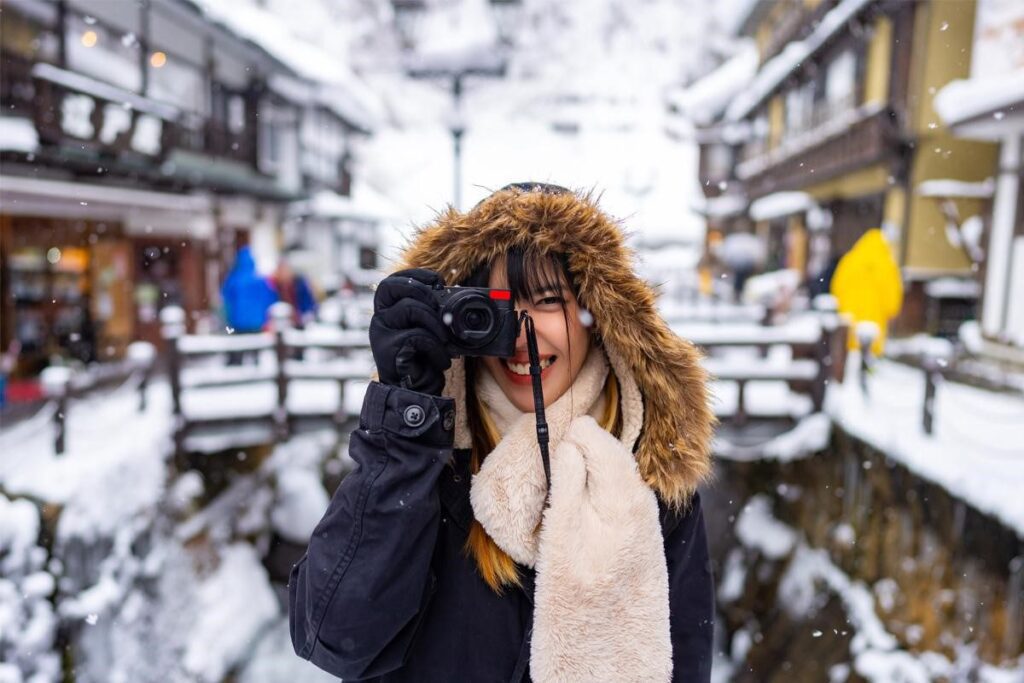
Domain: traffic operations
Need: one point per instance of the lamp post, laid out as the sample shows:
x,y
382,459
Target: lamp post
x,y
485,61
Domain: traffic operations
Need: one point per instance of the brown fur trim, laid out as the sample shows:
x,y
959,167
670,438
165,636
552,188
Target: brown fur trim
x,y
673,454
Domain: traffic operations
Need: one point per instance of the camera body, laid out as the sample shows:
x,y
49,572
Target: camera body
x,y
480,321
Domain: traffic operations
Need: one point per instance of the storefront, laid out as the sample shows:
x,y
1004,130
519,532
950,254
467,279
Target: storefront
x,y
84,277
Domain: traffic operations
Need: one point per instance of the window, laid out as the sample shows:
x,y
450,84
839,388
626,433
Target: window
x,y
97,50
367,258
799,109
177,82
841,82
27,37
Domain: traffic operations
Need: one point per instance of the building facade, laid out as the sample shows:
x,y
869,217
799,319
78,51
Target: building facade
x,y
836,133
141,143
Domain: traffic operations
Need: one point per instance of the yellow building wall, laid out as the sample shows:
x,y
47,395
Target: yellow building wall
x,y
796,244
776,114
870,180
879,63
943,38
938,157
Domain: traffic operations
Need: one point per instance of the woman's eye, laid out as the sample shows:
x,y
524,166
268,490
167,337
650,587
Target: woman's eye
x,y
548,300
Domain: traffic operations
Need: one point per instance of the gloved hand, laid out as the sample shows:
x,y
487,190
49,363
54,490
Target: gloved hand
x,y
407,335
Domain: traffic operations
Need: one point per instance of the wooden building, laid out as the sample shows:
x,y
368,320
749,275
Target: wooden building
x,y
838,131
141,143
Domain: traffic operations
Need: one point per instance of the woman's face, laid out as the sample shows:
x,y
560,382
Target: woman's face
x,y
562,347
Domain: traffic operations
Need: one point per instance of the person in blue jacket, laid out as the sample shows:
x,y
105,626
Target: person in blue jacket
x,y
246,295
445,556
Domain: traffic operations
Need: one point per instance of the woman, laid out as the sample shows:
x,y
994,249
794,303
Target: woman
x,y
443,557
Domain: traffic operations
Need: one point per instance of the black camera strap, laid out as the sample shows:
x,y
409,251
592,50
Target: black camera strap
x,y
538,395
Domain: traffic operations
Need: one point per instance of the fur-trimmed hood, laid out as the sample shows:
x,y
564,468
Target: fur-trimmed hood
x,y
673,452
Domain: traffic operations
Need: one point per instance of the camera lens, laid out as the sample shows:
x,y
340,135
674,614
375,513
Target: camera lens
x,y
476,319
473,320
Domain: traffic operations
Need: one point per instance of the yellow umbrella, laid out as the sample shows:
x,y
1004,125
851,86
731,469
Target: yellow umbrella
x,y
867,285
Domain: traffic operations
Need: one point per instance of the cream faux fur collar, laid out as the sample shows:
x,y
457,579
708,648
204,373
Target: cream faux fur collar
x,y
601,606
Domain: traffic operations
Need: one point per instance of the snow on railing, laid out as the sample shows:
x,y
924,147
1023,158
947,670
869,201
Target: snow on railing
x,y
292,377
63,384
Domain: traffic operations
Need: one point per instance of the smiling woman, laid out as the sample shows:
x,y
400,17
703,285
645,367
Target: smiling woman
x,y
446,556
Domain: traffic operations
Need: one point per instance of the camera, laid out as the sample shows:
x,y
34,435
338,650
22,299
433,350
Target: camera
x,y
480,321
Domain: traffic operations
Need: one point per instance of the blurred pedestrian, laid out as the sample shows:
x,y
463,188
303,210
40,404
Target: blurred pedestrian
x,y
294,289
247,297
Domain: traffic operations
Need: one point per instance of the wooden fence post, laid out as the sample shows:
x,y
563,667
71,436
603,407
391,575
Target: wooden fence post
x,y
56,383
172,327
142,354
281,319
931,376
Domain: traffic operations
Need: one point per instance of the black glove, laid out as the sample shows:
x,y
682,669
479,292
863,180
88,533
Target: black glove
x,y
407,335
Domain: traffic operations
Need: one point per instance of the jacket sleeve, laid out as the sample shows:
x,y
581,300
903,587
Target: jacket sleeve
x,y
356,597
691,594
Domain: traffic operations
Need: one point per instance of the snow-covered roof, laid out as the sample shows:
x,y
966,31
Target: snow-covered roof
x,y
781,204
987,107
341,88
775,70
948,187
705,100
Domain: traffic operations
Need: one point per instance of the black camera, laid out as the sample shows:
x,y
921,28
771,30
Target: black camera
x,y
480,321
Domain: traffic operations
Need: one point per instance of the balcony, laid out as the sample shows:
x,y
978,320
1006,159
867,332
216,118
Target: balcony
x,y
84,124
855,139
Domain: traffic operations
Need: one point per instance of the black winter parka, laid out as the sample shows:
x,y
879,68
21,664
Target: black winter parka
x,y
387,592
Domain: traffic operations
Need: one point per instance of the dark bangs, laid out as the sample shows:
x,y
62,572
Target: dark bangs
x,y
529,273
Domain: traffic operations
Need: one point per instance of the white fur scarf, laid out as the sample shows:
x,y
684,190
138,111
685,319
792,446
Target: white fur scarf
x,y
601,605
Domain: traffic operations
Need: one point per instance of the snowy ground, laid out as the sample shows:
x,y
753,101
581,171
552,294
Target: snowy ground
x,y
146,585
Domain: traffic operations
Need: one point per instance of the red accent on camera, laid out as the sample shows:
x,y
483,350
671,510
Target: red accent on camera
x,y
501,294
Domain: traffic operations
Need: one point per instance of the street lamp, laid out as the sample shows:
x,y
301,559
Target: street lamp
x,y
453,68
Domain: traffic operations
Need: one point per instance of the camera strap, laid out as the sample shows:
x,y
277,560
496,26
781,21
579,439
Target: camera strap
x,y
538,395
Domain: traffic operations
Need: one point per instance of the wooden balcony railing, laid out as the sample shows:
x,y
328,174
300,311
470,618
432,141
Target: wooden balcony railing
x,y
842,144
68,107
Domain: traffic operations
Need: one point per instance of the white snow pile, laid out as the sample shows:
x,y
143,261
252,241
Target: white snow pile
x,y
301,502
964,99
734,576
113,462
704,100
757,528
235,605
28,626
274,660
810,435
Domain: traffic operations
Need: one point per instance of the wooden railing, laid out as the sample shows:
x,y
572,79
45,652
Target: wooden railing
x,y
817,347
66,386
40,91
829,150
286,345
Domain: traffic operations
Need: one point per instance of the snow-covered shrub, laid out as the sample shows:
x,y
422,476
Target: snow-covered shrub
x,y
28,626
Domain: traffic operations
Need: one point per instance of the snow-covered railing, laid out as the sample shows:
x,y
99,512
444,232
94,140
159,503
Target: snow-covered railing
x,y
816,342
64,385
315,354
712,311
